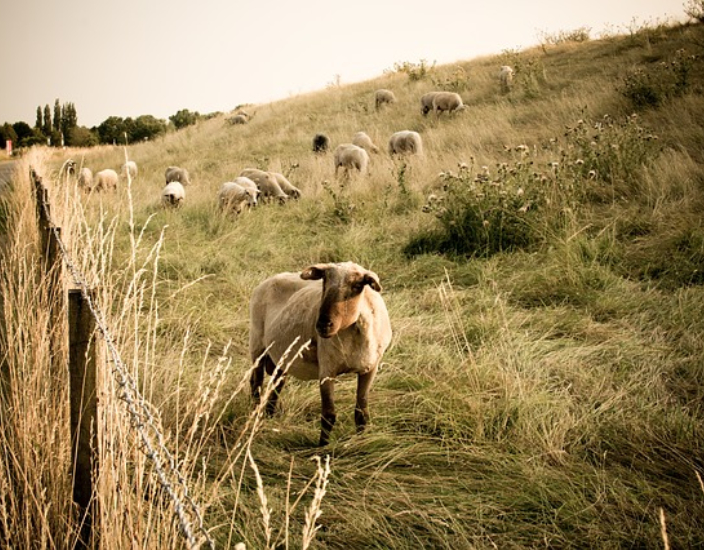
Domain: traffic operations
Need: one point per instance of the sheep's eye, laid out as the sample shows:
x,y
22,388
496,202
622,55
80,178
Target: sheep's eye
x,y
357,287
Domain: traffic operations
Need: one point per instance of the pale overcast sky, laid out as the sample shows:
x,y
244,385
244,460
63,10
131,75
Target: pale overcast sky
x,y
155,57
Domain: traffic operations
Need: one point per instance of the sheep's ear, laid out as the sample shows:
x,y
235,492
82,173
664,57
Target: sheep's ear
x,y
314,272
372,279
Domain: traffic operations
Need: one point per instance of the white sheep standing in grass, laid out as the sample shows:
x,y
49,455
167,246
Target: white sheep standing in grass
x,y
405,142
351,157
85,178
286,186
266,182
447,102
361,139
176,173
173,194
234,197
130,169
338,309
105,180
506,77
383,97
426,102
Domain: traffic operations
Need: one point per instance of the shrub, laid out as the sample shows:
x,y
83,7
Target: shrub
x,y
651,86
458,81
415,71
482,214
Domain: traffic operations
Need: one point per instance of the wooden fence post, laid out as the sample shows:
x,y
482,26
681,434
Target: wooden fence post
x,y
85,372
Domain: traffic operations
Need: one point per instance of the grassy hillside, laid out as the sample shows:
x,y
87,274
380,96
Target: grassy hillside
x,y
542,264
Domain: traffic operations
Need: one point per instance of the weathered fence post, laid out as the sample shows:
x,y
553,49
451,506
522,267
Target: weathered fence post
x,y
52,264
85,373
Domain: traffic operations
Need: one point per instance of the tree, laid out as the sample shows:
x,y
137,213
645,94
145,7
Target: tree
x,y
38,124
80,136
695,10
7,132
184,118
111,130
146,127
57,116
69,121
23,131
46,126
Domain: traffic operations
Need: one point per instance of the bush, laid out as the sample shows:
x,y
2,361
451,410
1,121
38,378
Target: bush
x,y
415,71
648,87
526,199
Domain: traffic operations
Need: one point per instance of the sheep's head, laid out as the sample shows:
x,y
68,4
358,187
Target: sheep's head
x,y
343,285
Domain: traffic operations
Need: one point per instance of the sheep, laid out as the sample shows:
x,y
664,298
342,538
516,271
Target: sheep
x,y
175,173
383,97
85,178
129,169
239,118
426,102
267,184
351,157
505,77
321,143
405,142
338,309
105,180
362,140
173,194
234,197
286,186
447,101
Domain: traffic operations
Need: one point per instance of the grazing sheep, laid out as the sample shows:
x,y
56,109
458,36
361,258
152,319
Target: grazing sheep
x,y
239,118
286,186
234,197
85,178
505,77
362,140
267,184
105,180
321,143
173,194
351,157
335,307
174,173
129,169
383,97
405,142
447,101
426,102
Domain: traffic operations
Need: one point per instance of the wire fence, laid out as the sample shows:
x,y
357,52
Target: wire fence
x,y
142,421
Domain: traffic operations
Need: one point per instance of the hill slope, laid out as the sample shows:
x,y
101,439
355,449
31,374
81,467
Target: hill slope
x,y
543,387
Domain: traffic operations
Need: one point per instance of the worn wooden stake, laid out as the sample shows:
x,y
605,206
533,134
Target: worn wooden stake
x,y
85,368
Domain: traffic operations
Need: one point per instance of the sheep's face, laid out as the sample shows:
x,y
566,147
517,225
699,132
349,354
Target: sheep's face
x,y
343,285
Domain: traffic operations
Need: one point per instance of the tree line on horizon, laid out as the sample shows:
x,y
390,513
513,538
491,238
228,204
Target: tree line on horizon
x,y
62,129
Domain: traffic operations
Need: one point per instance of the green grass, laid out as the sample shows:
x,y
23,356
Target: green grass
x,y
541,395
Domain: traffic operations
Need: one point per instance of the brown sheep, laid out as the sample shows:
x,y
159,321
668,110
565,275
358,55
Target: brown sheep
x,y
338,310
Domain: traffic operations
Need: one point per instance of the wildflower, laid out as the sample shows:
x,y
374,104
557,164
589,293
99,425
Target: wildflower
x,y
592,174
579,162
485,223
519,192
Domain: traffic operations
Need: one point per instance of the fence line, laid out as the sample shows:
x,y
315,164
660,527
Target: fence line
x,y
141,418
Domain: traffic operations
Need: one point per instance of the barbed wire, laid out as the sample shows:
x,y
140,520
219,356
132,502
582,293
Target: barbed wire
x,y
141,417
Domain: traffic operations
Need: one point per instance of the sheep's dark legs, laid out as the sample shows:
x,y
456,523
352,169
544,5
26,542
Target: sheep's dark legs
x,y
277,386
361,410
328,417
256,381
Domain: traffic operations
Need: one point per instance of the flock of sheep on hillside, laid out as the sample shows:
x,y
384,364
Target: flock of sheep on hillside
x,y
335,310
